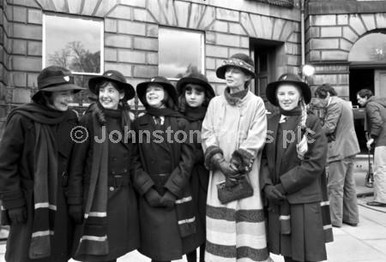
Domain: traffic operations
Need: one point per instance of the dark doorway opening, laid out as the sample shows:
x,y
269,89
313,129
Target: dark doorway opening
x,y
360,79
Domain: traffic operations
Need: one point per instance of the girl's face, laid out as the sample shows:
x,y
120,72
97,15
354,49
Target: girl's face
x,y
236,78
288,96
155,95
60,100
109,96
194,95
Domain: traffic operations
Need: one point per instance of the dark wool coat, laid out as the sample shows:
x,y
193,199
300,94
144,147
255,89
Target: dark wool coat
x,y
301,181
376,119
160,237
17,164
199,181
122,210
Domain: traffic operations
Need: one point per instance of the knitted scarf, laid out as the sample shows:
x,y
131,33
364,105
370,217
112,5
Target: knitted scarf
x,y
45,174
195,113
234,98
94,235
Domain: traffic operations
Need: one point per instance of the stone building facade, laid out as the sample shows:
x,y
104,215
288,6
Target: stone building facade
x,y
271,31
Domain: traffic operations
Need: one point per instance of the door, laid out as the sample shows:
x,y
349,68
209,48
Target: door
x,y
380,83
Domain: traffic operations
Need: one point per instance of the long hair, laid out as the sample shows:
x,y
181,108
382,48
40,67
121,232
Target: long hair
x,y
182,100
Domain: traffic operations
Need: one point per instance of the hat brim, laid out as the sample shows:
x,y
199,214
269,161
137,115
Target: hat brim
x,y
128,89
58,88
272,87
192,80
220,72
141,91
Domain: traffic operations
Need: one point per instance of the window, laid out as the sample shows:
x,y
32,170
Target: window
x,y
180,52
74,43
369,49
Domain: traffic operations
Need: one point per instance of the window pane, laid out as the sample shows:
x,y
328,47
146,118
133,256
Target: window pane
x,y
370,48
74,43
180,52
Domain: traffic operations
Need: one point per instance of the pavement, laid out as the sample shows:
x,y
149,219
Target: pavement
x,y
363,243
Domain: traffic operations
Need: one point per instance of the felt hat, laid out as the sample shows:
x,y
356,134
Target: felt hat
x,y
166,84
239,60
54,79
288,78
116,77
195,78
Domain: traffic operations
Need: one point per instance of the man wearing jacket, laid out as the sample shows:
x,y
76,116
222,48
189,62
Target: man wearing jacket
x,y
343,145
376,128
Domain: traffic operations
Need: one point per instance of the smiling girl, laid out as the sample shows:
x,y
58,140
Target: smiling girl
x,y
101,196
161,174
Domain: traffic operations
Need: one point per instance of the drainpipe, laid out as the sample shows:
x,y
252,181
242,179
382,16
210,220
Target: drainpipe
x,y
302,33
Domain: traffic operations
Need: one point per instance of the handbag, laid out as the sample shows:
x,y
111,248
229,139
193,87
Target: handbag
x,y
240,190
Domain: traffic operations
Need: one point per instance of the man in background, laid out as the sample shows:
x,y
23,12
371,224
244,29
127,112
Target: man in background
x,y
376,128
338,124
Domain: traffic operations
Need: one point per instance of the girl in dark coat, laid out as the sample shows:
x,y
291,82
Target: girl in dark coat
x,y
163,164
101,196
195,92
34,158
293,178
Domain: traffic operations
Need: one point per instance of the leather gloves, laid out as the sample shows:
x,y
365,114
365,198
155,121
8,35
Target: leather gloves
x,y
153,198
168,199
17,215
76,213
230,171
274,194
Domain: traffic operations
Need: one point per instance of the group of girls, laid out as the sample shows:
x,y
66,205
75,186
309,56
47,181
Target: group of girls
x,y
157,192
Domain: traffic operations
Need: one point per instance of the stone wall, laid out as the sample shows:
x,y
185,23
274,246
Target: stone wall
x,y
330,37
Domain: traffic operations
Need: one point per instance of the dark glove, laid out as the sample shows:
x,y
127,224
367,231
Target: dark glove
x,y
17,215
273,194
168,199
230,171
153,198
76,213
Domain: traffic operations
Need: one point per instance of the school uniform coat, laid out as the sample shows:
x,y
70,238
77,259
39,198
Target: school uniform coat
x,y
17,165
122,210
301,181
163,164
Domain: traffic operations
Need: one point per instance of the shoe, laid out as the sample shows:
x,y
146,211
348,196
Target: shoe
x,y
350,224
376,204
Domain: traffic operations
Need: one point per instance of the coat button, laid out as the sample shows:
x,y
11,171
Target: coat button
x,y
111,188
113,172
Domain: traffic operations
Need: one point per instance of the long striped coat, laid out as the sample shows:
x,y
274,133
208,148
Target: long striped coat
x,y
235,231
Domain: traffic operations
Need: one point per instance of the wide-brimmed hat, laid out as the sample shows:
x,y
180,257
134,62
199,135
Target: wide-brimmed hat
x,y
195,78
288,78
240,60
116,77
54,79
166,84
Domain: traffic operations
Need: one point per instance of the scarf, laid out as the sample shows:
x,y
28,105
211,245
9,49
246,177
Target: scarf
x,y
234,98
195,113
163,112
45,174
94,240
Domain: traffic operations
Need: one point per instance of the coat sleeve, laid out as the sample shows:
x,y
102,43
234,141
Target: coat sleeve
x,y
331,119
179,177
11,150
208,136
313,164
255,136
141,179
375,119
78,162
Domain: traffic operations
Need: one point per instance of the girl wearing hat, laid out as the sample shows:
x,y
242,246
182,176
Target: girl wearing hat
x,y
162,166
233,135
293,178
34,159
195,92
101,196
